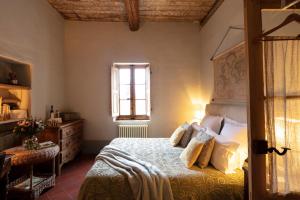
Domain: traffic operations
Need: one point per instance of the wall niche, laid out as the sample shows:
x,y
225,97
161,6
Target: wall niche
x,y
15,91
14,73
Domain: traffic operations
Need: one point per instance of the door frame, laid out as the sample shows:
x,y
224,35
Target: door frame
x,y
255,105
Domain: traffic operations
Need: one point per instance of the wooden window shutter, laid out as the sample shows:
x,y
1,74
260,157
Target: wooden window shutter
x,y
115,109
148,97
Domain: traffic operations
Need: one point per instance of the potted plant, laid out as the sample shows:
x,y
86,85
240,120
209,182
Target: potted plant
x,y
28,129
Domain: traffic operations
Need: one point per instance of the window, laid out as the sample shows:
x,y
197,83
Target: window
x,y
131,91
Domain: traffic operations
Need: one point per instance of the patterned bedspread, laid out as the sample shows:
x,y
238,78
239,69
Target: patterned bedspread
x,y
103,182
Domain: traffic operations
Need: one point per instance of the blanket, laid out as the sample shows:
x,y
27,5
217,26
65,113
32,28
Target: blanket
x,y
146,181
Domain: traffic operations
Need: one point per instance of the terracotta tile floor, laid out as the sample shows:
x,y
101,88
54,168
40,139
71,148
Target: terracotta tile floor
x,y
68,184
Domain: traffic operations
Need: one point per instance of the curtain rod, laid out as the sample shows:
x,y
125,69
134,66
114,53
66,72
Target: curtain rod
x,y
224,37
279,38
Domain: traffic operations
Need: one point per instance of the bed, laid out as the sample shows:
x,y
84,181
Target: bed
x,y
103,182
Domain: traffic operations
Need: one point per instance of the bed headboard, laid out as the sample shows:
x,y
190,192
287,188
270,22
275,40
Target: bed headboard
x,y
237,112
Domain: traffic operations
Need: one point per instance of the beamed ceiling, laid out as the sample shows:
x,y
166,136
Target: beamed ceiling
x,y
135,11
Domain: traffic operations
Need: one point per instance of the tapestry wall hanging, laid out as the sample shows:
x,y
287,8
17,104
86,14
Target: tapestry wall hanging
x,y
230,75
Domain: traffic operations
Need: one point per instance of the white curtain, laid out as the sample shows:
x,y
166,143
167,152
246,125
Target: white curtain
x,y
282,108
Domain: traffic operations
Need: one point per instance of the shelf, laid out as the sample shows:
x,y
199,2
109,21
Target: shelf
x,y
16,87
10,121
25,185
21,188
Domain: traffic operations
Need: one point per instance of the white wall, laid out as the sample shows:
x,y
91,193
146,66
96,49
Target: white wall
x,y
230,13
32,31
172,49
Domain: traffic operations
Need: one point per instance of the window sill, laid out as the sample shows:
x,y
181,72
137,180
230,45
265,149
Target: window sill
x,y
131,121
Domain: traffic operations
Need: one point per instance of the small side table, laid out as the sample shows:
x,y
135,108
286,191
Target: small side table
x,y
30,186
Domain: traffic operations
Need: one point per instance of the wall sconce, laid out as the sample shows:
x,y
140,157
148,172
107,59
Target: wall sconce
x,y
198,110
198,116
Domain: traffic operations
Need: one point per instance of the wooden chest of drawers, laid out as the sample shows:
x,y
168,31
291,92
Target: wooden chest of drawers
x,y
68,136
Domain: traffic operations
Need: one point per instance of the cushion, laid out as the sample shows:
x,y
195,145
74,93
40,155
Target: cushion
x,y
177,135
196,129
186,136
185,125
237,132
224,156
205,154
212,122
190,154
228,120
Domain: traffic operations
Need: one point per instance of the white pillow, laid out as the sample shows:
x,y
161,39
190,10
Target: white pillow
x,y
206,130
196,129
212,122
224,156
185,125
237,132
231,121
211,132
196,126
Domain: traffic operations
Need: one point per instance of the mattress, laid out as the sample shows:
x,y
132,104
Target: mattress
x,y
103,182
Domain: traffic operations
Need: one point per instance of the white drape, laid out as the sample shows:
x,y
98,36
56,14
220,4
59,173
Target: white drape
x,y
282,108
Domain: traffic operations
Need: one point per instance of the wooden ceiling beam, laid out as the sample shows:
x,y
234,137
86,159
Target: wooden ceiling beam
x,y
133,11
132,8
277,5
211,12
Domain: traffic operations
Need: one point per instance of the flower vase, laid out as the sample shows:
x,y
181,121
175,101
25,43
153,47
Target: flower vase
x,y
31,143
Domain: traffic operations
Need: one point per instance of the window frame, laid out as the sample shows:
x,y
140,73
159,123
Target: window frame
x,y
132,67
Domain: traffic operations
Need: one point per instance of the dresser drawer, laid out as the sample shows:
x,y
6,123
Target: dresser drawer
x,y
71,130
70,153
68,136
68,142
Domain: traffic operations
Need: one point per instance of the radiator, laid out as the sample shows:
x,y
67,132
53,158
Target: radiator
x,y
133,131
